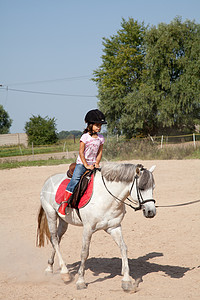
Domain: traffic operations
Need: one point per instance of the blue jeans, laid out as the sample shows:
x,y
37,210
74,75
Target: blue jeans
x,y
78,172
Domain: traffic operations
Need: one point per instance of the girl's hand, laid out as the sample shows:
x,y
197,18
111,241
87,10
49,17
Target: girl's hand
x,y
89,167
96,165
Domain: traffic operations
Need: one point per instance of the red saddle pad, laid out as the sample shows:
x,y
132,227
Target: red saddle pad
x,y
84,199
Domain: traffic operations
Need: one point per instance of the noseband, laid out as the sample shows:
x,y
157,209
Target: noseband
x,y
140,199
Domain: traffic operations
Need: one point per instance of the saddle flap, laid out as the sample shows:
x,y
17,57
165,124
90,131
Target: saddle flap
x,y
81,188
81,196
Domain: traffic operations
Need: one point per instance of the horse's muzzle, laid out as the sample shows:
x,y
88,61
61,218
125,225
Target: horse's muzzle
x,y
149,212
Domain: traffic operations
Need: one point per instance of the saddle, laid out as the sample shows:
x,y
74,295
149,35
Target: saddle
x,y
71,170
81,186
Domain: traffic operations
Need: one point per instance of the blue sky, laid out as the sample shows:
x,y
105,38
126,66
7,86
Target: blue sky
x,y
53,46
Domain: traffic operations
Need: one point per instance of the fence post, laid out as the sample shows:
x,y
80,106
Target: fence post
x,y
194,140
161,141
32,151
64,146
151,138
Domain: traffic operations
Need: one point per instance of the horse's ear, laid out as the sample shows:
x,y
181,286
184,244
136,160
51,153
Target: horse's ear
x,y
138,171
152,169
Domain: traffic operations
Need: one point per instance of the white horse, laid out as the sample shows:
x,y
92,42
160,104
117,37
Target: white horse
x,y
105,210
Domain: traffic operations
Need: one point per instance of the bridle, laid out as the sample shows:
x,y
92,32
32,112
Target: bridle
x,y
140,199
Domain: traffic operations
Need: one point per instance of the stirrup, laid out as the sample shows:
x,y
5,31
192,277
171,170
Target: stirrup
x,y
63,203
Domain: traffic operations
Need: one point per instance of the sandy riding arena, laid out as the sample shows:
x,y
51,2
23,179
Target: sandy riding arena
x,y
164,252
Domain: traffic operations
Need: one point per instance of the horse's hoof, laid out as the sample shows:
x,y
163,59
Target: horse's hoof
x,y
48,270
66,277
127,286
81,286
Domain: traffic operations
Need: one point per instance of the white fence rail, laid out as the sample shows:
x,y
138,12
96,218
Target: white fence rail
x,y
188,138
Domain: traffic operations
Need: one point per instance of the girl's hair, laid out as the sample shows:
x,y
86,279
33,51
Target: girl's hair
x,y
89,129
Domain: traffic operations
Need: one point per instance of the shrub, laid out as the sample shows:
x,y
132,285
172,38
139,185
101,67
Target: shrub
x,y
41,131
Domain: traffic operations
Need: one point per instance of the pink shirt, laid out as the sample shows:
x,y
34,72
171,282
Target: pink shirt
x,y
91,147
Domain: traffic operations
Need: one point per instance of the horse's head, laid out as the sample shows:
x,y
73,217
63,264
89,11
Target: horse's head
x,y
138,181
143,190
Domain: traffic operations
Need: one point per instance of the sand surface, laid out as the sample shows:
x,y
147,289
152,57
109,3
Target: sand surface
x,y
164,252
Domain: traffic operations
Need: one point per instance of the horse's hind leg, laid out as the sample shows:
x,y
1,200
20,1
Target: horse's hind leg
x,y
56,234
55,240
116,234
49,268
62,227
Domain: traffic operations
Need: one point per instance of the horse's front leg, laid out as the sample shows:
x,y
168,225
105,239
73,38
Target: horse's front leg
x,y
116,234
87,234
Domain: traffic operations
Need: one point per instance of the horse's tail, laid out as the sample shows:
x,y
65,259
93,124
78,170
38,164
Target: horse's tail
x,y
43,229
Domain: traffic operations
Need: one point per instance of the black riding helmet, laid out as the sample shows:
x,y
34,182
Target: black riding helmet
x,y
95,116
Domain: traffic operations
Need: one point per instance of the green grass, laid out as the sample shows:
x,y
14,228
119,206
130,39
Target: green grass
x,y
49,162
195,154
61,146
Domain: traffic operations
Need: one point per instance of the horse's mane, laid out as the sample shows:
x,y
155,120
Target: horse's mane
x,y
118,172
125,173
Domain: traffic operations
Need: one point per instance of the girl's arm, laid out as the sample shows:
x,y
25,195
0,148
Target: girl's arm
x,y
82,156
99,156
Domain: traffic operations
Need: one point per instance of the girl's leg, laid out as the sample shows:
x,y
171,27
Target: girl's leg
x,y
78,172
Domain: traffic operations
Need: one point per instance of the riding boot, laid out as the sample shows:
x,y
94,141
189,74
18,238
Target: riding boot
x,y
64,204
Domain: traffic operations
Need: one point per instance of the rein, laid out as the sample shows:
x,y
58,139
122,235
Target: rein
x,y
139,195
140,198
181,204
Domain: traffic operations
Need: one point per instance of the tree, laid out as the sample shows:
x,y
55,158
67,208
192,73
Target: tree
x,y
5,121
66,134
168,96
41,131
149,80
121,69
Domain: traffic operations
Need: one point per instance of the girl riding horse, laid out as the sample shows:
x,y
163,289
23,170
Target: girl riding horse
x,y
90,153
